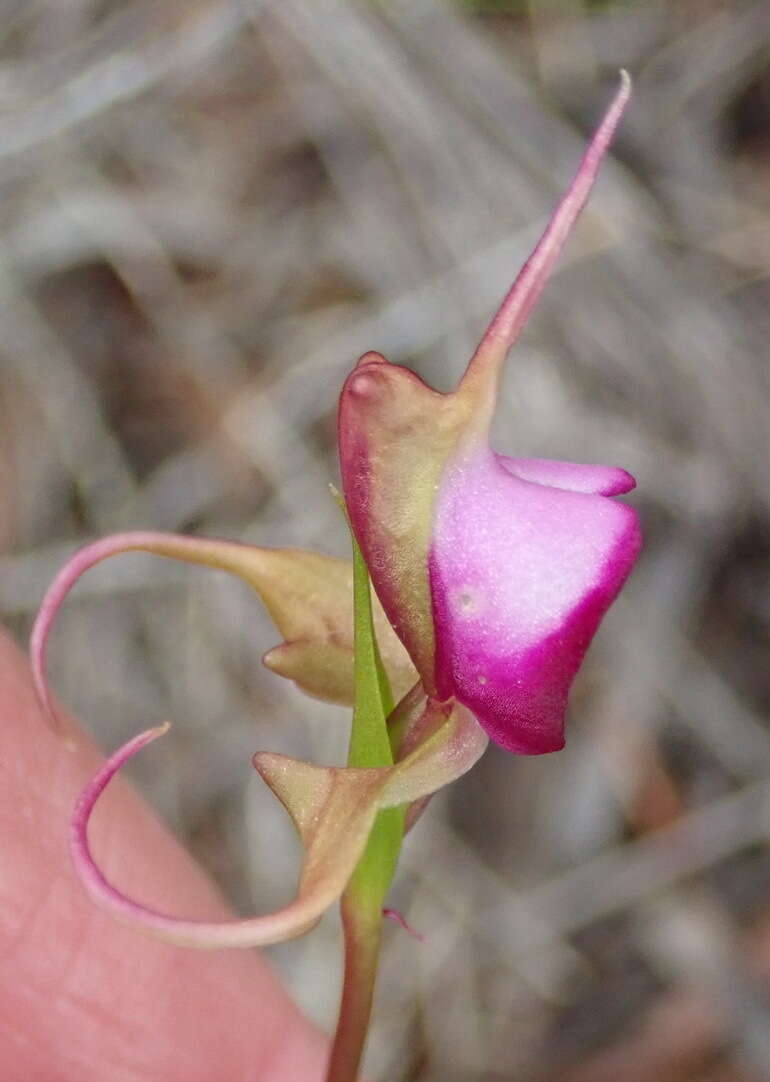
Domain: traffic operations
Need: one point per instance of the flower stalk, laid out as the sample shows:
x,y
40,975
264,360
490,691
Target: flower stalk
x,y
363,900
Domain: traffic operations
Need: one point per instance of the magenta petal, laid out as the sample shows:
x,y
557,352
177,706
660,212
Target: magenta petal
x,y
521,575
600,480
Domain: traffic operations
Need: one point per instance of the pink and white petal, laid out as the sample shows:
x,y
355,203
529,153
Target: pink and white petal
x,y
599,480
521,575
333,810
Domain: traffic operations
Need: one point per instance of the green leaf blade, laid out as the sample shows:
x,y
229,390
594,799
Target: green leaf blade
x,y
370,745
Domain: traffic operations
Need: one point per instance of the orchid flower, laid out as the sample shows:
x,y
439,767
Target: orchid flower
x,y
491,576
494,571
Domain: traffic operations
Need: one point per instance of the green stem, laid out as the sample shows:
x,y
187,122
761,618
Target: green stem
x,y
362,902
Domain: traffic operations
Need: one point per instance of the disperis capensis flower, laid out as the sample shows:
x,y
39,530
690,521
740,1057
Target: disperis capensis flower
x,y
492,573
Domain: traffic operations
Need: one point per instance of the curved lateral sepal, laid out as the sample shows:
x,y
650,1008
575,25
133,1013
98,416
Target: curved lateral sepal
x,y
333,810
309,597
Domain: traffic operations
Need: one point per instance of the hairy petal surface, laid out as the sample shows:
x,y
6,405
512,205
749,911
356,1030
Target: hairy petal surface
x,y
309,597
333,810
521,574
333,815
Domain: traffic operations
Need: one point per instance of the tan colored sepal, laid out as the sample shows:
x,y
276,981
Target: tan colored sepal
x,y
309,597
321,800
333,810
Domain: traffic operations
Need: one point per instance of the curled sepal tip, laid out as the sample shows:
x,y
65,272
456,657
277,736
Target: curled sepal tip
x,y
333,810
309,597
332,847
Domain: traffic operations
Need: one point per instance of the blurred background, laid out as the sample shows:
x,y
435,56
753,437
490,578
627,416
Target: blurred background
x,y
208,211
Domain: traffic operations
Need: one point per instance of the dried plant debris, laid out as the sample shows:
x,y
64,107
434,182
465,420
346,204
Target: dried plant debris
x,y
208,211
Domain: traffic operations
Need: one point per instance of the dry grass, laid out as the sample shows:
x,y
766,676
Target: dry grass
x,y
208,211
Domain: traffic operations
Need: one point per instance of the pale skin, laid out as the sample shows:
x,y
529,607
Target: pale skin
x,y
83,998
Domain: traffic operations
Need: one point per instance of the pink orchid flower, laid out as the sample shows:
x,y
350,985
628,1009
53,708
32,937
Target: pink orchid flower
x,y
491,575
495,572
